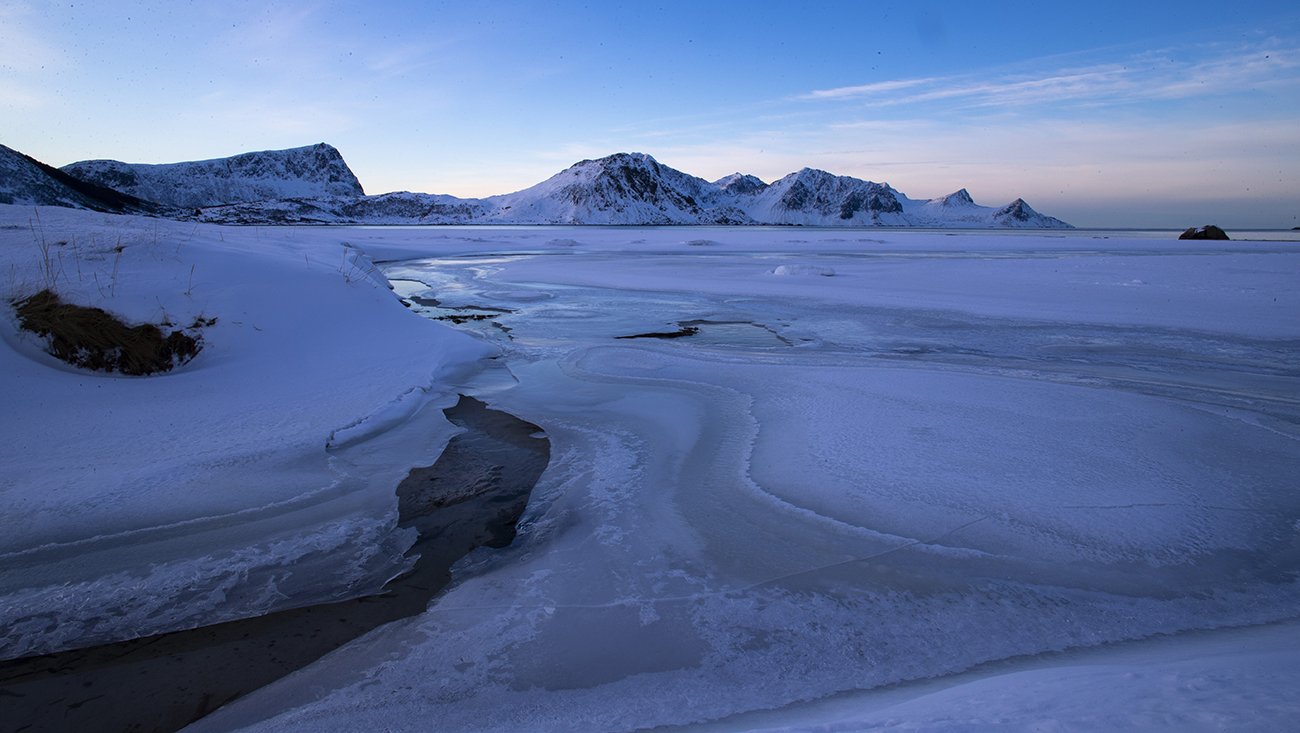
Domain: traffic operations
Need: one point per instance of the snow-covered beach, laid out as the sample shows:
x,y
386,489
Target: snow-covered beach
x,y
138,505
880,457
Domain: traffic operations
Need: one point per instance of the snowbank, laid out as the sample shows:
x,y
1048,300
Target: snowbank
x,y
258,476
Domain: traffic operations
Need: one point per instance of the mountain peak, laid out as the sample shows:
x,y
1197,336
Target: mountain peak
x,y
623,188
960,197
621,159
1018,210
807,172
812,196
1018,213
741,183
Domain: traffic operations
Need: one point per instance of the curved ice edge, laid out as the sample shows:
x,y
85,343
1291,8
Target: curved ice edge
x,y
186,593
387,417
576,366
193,524
354,556
357,265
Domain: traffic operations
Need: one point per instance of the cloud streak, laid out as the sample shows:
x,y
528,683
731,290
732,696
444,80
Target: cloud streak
x,y
867,90
1160,75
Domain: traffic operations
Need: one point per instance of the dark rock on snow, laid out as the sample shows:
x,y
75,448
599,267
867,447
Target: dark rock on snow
x,y
1209,231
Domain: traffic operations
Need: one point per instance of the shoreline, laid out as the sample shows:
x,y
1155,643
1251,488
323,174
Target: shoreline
x,y
471,496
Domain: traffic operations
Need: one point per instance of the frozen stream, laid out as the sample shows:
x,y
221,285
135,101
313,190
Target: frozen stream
x,y
870,466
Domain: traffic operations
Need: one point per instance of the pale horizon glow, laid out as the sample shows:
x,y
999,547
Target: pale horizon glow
x,y
1177,115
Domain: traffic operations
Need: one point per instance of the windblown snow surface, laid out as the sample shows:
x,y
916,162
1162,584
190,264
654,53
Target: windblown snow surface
x,y
889,479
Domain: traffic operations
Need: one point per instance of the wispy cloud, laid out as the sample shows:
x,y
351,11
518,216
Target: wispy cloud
x,y
1155,75
868,90
398,60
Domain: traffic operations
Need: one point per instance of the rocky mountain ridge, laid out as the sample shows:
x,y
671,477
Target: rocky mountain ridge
x,y
27,181
311,171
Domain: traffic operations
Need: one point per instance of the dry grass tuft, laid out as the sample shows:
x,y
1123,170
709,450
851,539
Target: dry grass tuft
x,y
93,338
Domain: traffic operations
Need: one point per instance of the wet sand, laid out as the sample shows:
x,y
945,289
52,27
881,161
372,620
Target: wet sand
x,y
472,496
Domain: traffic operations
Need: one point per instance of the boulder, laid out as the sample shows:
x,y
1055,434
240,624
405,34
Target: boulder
x,y
1209,231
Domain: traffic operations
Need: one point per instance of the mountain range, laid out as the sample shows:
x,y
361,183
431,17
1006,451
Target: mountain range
x,y
314,185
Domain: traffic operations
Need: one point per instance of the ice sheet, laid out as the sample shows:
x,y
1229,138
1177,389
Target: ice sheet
x,y
960,450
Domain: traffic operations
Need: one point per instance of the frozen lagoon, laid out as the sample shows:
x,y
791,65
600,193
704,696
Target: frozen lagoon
x,y
954,450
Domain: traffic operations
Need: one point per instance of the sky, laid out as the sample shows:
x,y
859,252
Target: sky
x,y
1105,114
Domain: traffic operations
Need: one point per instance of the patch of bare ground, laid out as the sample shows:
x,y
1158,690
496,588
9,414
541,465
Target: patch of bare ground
x,y
93,338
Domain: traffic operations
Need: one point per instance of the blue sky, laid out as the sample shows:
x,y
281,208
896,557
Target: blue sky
x,y
1102,113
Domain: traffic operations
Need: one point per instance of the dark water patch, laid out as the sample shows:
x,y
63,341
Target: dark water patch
x,y
466,313
720,333
738,333
679,333
436,310
459,318
472,496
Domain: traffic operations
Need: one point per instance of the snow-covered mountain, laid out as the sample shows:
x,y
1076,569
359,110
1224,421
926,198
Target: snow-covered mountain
x,y
635,189
1019,214
741,183
313,185
957,209
312,171
818,198
625,188
27,181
